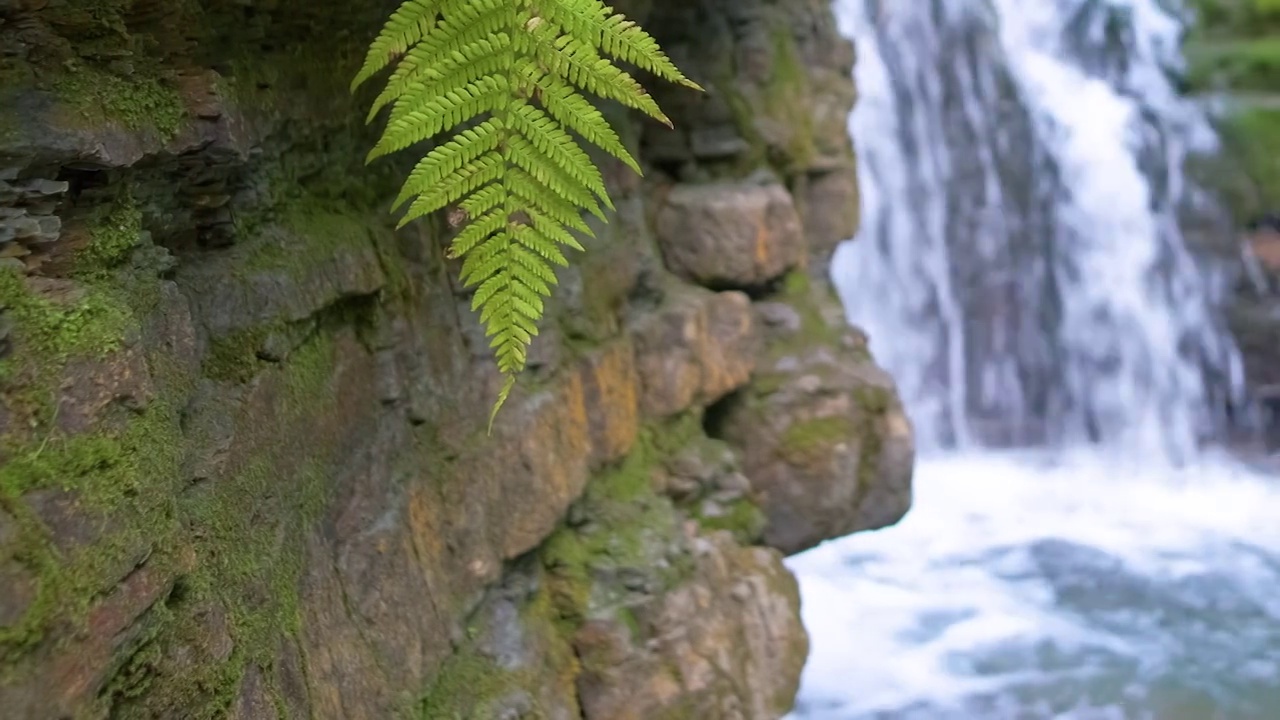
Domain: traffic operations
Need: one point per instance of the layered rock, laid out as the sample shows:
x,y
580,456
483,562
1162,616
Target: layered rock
x,y
243,463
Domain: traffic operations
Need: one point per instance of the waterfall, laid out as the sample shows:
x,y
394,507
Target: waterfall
x,y
1020,269
1074,550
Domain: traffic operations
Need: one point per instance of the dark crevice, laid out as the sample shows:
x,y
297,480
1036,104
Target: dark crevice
x,y
762,291
717,414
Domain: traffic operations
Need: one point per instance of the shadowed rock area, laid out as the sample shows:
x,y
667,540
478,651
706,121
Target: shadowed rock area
x,y
243,463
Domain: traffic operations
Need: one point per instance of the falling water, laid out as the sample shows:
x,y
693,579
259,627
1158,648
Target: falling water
x,y
1077,548
1020,266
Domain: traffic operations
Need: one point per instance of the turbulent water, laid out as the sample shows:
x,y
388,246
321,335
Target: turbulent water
x,y
1077,549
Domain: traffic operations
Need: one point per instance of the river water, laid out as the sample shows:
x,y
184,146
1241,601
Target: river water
x,y
1077,547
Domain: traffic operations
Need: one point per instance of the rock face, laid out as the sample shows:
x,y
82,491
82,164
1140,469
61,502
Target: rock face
x,y
243,463
730,234
828,445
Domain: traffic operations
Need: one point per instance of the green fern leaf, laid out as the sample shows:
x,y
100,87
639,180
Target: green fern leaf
x,y
505,79
575,113
594,21
407,26
417,64
447,159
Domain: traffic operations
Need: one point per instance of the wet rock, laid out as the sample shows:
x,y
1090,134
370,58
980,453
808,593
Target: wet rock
x,y
828,206
610,395
253,702
74,675
821,432
724,235
95,386
726,644
18,590
694,350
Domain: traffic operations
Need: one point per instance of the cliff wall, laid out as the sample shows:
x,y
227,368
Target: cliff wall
x,y
243,466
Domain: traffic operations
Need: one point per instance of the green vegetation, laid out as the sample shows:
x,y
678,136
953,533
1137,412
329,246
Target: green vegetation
x,y
137,102
1233,51
92,320
1251,64
1252,137
114,232
808,441
516,181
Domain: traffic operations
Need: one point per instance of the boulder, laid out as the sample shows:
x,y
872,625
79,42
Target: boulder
x,y
694,350
726,644
821,430
730,235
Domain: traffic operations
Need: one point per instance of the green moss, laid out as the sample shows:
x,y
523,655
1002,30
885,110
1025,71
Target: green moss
x,y
796,283
786,98
121,471
124,475
94,324
472,684
1236,17
809,440
138,102
873,400
767,383
248,528
631,530
869,458
743,519
234,357
114,232
465,688
797,292
10,124
316,230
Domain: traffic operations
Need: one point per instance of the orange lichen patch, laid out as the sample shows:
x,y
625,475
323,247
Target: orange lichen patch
x,y
611,386
729,345
551,444
763,246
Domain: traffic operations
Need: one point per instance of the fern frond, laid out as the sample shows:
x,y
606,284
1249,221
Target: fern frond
x,y
455,70
449,158
575,113
579,63
406,27
559,148
476,232
556,178
614,34
468,179
540,244
505,78
448,37
540,198
443,112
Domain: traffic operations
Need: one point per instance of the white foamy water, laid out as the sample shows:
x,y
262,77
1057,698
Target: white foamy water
x,y
1021,273
1074,588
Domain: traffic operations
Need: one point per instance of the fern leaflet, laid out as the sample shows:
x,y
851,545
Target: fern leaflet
x,y
506,79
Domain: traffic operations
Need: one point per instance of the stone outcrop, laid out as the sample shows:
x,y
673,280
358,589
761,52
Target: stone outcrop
x,y
730,234
244,470
829,448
